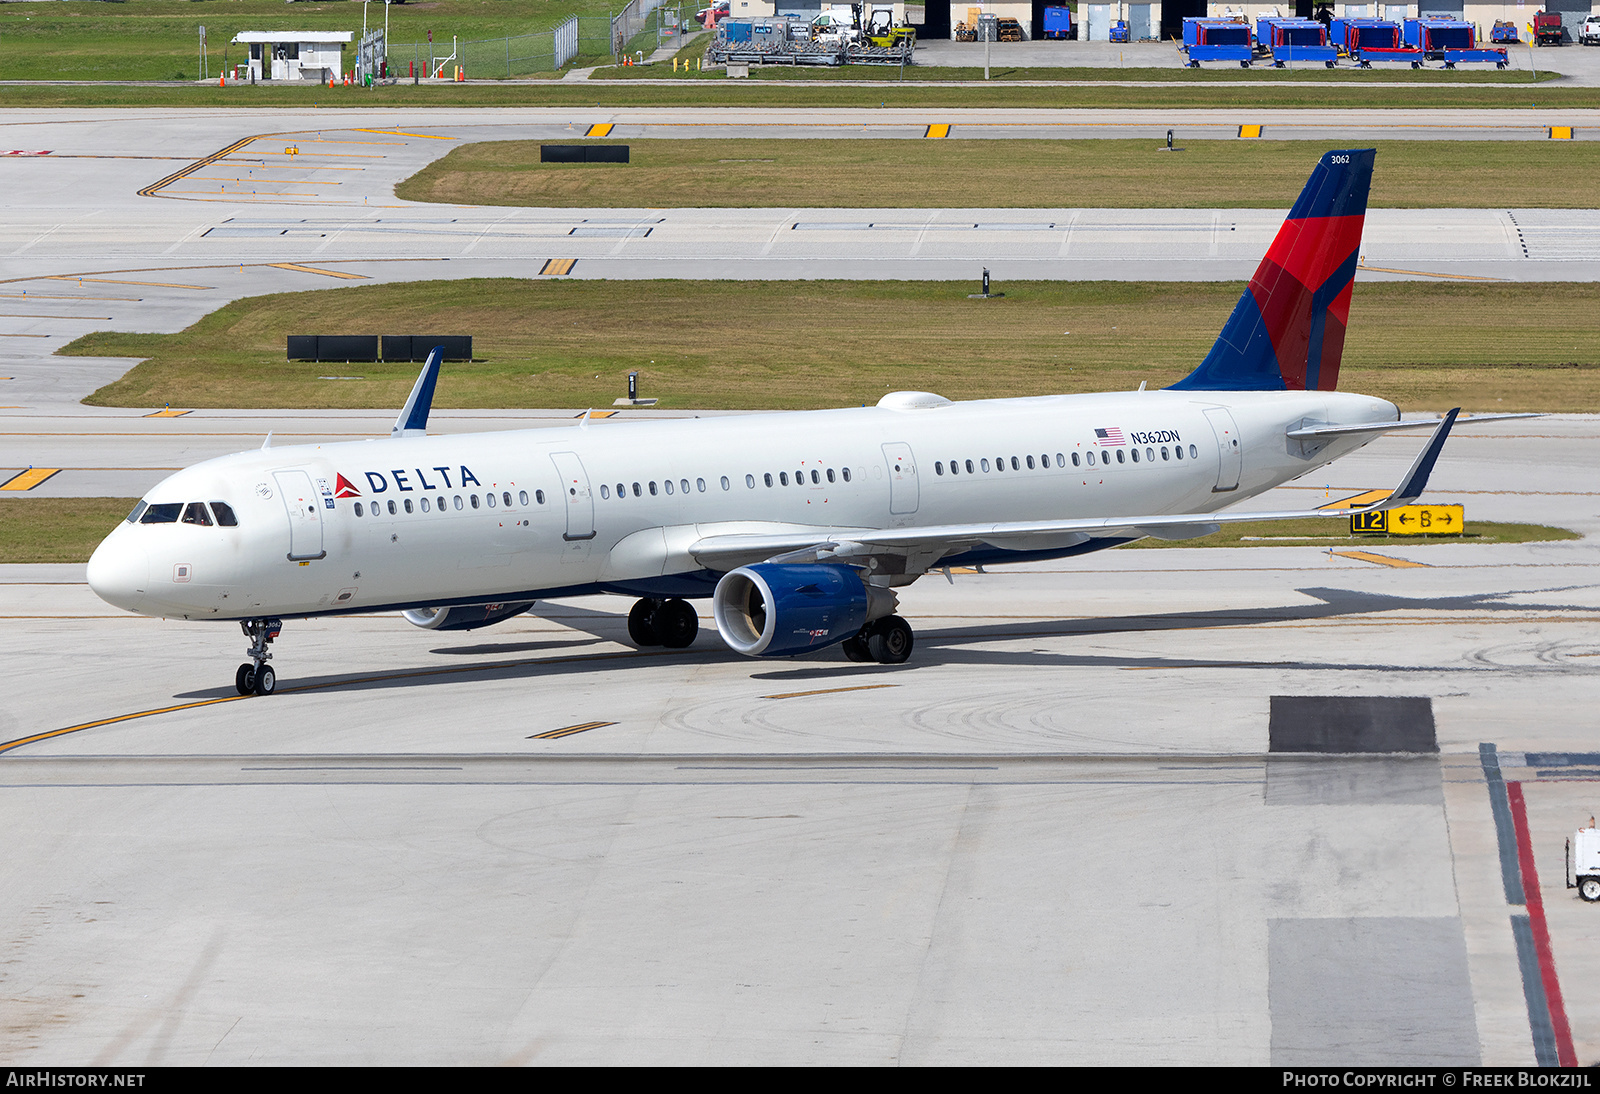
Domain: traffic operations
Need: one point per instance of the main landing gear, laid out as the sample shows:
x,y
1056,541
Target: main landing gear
x,y
256,676
887,641
669,623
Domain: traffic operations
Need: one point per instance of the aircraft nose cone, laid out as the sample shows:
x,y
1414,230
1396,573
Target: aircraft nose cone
x,y
119,573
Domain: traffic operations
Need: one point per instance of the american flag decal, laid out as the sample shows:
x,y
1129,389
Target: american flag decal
x,y
1109,437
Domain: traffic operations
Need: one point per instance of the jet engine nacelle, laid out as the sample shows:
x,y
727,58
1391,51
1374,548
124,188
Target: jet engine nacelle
x,y
776,610
463,618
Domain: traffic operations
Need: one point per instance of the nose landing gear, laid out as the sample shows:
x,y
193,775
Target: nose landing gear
x,y
256,676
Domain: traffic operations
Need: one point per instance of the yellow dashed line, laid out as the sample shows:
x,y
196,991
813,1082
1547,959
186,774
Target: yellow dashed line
x,y
112,281
312,269
1380,560
558,266
394,133
599,129
937,132
1249,131
567,731
829,691
1427,273
30,478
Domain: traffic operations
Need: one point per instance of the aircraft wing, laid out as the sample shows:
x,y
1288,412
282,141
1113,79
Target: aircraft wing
x,y
931,542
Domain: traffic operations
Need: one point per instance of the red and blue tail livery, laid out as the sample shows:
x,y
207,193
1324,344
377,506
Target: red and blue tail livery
x,y
1287,331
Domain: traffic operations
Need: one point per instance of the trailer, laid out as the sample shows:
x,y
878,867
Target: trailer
x,y
1289,39
1450,41
1504,33
1583,862
1365,41
1216,40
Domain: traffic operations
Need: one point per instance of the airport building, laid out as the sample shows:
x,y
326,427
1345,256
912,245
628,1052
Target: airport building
x,y
296,55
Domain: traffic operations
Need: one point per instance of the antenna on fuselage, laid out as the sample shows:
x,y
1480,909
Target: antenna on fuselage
x,y
266,444
413,419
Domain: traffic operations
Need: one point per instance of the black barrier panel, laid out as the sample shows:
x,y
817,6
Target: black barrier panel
x,y
302,347
397,347
457,347
347,347
583,153
1351,723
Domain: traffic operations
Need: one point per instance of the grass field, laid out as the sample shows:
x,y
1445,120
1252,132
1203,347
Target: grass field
x,y
69,529
957,174
713,344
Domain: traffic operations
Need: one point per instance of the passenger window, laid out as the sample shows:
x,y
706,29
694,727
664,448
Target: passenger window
x,y
830,474
622,490
360,512
1150,454
1074,459
471,497
846,473
1044,461
1120,458
490,499
505,497
1061,461
1178,451
984,464
1000,463
783,478
1194,453
652,488
1089,457
195,513
700,484
636,491
683,484
1030,463
424,505
522,496
393,511
538,496
725,483
766,477
969,467
458,502
938,468
408,505
1163,453
668,485
750,481
224,513
1134,452
439,501
605,491
1016,465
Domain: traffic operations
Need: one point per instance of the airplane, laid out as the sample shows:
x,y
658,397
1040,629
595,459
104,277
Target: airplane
x,y
798,526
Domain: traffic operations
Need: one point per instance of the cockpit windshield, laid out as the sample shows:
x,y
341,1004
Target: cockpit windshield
x,y
194,512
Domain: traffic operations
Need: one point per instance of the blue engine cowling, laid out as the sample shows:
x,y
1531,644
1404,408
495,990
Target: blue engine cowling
x,y
463,617
774,610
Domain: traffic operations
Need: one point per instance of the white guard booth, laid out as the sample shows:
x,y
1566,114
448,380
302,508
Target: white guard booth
x,y
297,55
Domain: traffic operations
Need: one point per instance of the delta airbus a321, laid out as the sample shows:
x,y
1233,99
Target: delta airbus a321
x,y
798,526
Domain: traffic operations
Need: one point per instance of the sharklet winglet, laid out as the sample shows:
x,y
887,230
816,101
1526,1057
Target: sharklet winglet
x,y
413,419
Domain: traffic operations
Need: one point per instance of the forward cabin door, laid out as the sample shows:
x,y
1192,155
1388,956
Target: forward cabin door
x,y
579,504
1229,455
902,477
303,506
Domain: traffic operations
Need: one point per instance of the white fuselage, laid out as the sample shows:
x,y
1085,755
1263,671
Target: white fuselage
x,y
426,521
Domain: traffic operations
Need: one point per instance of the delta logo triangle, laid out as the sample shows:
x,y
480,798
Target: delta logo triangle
x,y
343,489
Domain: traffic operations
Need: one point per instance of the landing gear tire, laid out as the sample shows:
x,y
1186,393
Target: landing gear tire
x,y
855,649
266,681
1589,889
675,624
244,681
889,641
642,625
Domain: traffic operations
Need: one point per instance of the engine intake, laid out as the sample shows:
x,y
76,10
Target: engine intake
x,y
776,610
463,618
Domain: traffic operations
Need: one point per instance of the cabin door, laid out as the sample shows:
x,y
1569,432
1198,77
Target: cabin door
x,y
1229,455
578,501
902,468
304,508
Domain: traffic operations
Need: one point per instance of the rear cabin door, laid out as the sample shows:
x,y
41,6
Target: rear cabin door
x,y
1229,455
303,506
579,504
902,468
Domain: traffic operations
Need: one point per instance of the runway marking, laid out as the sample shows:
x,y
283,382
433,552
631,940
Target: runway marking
x,y
558,266
1534,902
828,691
27,315
166,412
53,296
1249,132
30,478
113,281
19,742
24,336
279,182
152,191
567,731
1366,497
937,132
1561,132
599,129
396,133
1380,560
1429,273
312,269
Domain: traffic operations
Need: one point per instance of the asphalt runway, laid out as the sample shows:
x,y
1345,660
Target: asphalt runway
x,y
1060,834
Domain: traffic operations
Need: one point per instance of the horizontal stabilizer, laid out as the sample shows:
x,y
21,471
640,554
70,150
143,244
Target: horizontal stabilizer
x,y
1305,432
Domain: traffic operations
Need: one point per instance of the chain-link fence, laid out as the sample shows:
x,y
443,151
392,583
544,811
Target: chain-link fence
x,y
579,39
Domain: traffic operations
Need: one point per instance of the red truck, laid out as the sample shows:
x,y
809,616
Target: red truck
x,y
1547,28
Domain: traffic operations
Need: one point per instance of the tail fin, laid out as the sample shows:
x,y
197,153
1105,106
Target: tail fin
x,y
1287,331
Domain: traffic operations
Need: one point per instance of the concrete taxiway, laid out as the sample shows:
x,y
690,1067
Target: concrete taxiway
x,y
1063,832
